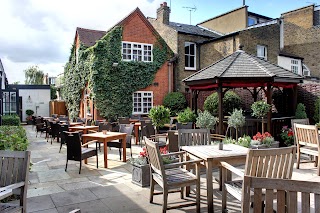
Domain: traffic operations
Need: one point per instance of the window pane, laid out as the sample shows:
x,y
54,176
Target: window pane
x,y
186,49
186,61
192,49
192,61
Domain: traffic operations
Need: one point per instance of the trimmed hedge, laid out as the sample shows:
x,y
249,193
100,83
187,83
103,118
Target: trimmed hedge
x,y
231,100
11,120
13,138
175,101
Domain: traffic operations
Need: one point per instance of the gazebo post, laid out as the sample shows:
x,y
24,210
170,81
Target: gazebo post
x,y
269,101
220,110
295,97
196,94
191,98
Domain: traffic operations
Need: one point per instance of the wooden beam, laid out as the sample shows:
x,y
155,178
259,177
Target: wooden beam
x,y
220,108
269,101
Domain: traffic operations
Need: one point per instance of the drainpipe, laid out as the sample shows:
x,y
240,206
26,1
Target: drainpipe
x,y
169,76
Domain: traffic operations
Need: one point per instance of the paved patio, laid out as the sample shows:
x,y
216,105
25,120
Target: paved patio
x,y
53,190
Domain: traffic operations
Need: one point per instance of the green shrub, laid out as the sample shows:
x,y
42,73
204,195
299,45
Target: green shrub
x,y
260,109
206,120
159,115
13,138
186,116
175,101
236,120
301,111
29,112
231,100
316,116
11,120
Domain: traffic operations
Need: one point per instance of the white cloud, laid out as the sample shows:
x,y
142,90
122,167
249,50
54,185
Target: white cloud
x,y
41,32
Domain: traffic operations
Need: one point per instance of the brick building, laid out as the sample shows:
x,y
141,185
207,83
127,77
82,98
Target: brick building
x,y
138,38
301,37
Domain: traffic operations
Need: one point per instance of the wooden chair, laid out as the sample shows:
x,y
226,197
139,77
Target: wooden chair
x,y
191,137
307,138
78,152
270,163
286,193
299,121
173,145
14,167
171,176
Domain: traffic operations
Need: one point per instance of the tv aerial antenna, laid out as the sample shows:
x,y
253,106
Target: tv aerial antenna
x,y
194,8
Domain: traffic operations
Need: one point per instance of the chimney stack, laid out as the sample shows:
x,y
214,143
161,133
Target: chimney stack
x,y
163,13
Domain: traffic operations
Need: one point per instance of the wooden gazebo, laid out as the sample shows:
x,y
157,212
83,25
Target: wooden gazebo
x,y
242,70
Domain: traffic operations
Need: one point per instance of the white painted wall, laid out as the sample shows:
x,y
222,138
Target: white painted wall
x,y
285,62
38,102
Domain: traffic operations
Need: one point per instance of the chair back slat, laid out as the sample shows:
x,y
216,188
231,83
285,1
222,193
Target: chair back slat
x,y
154,157
291,195
306,135
192,137
272,163
13,166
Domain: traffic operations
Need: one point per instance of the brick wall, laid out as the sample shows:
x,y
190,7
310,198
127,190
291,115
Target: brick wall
x,y
268,36
302,38
136,30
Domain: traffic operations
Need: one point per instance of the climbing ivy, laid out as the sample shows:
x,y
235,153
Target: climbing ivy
x,y
111,86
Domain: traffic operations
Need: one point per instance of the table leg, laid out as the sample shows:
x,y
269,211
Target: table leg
x,y
105,154
124,148
209,186
136,133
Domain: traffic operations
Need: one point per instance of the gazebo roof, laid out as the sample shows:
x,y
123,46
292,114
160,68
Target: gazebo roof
x,y
241,65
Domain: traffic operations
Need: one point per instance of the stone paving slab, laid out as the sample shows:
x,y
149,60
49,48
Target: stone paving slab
x,y
52,190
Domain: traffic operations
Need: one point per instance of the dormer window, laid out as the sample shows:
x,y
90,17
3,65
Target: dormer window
x,y
132,51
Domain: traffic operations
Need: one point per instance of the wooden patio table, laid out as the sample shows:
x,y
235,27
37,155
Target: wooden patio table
x,y
105,138
212,156
136,131
83,128
75,124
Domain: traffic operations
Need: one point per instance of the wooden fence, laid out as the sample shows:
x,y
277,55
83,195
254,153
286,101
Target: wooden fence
x,y
58,107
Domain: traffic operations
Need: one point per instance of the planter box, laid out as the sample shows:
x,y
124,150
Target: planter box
x,y
264,146
141,175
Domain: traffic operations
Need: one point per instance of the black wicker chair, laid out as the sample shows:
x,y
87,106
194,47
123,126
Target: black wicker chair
x,y
63,128
77,151
124,128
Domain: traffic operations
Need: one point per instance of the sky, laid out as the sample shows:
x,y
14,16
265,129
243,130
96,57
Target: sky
x,y
41,32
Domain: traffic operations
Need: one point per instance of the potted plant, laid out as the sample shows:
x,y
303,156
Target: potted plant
x,y
141,169
186,116
159,116
29,113
264,140
236,120
287,135
260,109
206,120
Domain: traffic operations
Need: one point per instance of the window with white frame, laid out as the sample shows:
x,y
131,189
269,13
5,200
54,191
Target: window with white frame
x,y
142,102
9,103
132,51
262,52
294,66
190,55
252,21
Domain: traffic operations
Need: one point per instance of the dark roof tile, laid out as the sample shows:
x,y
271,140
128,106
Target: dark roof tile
x,y
242,65
89,37
194,30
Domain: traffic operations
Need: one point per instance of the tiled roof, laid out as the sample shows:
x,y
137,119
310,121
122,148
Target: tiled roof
x,y
89,37
194,30
242,65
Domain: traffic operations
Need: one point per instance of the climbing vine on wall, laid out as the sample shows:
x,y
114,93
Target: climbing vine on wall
x,y
112,86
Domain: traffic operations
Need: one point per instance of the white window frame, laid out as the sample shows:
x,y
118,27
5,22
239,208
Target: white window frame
x,y
295,66
305,70
262,52
189,55
137,51
140,109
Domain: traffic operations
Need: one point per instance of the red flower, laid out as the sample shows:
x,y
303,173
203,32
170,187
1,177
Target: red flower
x,y
290,133
144,152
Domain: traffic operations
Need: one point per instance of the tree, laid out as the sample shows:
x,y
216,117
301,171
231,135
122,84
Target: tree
x,y
33,75
53,92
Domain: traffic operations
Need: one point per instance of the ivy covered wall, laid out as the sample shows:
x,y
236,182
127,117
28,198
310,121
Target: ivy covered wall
x,y
111,86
